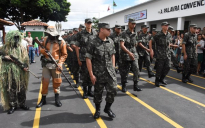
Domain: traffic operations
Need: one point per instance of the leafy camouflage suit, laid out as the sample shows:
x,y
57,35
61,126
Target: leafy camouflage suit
x,y
127,63
82,41
144,38
100,52
190,65
162,52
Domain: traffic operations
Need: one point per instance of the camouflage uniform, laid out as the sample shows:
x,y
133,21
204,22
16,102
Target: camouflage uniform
x,y
162,51
70,55
82,41
75,67
116,39
127,64
144,38
190,65
100,52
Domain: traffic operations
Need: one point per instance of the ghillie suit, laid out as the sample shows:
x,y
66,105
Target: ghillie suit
x,y
13,78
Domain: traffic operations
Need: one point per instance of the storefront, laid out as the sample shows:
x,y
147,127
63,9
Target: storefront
x,y
179,13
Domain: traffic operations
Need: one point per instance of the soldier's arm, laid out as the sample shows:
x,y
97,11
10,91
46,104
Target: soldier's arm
x,y
142,46
184,46
126,50
43,51
63,53
113,60
151,50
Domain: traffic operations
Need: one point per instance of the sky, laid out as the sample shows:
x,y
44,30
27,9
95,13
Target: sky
x,y
81,9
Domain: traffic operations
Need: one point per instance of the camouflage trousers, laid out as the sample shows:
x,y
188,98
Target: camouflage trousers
x,y
76,70
16,97
190,66
126,66
146,60
174,59
111,88
163,66
85,75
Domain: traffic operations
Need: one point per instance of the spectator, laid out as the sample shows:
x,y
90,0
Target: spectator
x,y
203,31
200,47
199,30
36,48
179,41
29,39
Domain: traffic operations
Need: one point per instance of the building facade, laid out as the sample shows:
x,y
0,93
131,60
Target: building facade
x,y
179,13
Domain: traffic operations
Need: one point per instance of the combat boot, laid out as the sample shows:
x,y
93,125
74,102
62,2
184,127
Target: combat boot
x,y
135,86
162,80
97,112
85,94
77,83
24,107
124,87
151,74
109,111
157,82
184,80
12,109
90,93
57,100
188,78
42,102
178,69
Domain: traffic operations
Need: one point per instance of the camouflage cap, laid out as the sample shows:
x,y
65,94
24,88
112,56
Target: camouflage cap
x,y
118,26
131,20
88,20
70,32
103,25
165,23
75,29
81,26
144,26
170,28
193,25
154,29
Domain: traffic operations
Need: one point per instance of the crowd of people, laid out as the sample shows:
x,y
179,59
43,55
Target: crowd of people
x,y
95,56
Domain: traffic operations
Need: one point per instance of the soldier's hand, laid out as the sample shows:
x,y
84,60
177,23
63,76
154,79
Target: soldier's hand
x,y
151,54
93,79
25,69
185,57
132,56
8,58
148,50
79,63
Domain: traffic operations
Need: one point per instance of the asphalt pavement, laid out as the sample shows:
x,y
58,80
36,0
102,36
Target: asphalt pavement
x,y
176,105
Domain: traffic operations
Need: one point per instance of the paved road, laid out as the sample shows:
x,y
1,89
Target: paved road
x,y
177,105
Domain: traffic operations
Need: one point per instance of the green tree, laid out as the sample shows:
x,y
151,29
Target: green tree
x,y
95,22
19,11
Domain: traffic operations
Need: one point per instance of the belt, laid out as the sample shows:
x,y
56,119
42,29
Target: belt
x,y
30,45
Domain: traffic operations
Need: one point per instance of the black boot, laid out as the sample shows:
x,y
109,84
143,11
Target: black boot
x,y
77,84
57,100
188,78
12,109
124,87
157,82
178,69
85,92
42,102
97,112
184,80
90,93
151,74
135,86
24,107
162,80
109,111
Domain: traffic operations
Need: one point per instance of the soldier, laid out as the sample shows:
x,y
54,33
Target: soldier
x,y
190,55
129,56
80,48
115,36
154,32
76,67
57,47
172,45
69,52
162,40
81,27
101,51
144,51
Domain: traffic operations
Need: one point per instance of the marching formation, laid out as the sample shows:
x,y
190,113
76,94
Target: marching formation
x,y
94,56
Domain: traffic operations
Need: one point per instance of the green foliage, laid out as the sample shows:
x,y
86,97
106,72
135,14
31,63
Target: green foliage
x,y
95,23
19,11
